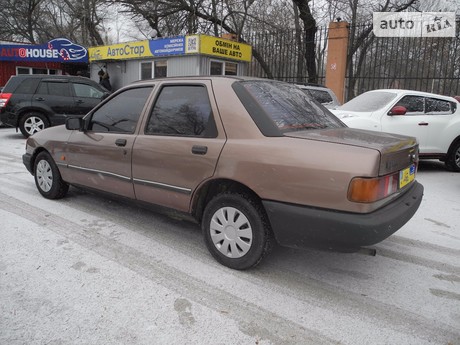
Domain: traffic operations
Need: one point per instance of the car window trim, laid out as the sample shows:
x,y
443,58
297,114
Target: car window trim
x,y
209,126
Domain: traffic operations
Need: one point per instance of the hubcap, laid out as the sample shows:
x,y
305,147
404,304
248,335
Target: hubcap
x,y
33,124
231,232
44,175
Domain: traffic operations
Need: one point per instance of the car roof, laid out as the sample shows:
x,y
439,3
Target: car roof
x,y
403,92
313,86
51,76
208,77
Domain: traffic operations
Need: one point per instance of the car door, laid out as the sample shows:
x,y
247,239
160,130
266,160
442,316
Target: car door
x,y
179,146
55,98
413,123
86,97
438,114
100,156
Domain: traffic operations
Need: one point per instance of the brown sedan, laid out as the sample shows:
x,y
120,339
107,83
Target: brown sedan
x,y
254,161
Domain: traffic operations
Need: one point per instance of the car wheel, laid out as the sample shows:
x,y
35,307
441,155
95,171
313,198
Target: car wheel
x,y
236,230
453,160
48,178
32,123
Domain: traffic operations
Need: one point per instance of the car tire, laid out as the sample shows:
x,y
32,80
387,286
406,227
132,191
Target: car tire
x,y
453,158
48,178
32,122
236,230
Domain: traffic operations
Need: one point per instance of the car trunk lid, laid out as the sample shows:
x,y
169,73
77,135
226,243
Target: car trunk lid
x,y
397,151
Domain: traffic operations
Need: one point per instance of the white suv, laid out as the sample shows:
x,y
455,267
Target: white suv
x,y
433,119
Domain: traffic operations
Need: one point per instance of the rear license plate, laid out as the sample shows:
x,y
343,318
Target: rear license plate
x,y
406,176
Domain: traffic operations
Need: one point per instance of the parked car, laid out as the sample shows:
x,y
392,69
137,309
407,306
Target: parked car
x,y
253,160
34,102
322,94
433,119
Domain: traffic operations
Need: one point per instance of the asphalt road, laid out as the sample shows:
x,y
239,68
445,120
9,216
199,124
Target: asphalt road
x,y
90,270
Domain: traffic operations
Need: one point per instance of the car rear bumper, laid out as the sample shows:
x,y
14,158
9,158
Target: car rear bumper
x,y
303,227
8,119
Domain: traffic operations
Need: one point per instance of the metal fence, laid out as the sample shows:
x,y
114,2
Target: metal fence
x,y
283,53
423,64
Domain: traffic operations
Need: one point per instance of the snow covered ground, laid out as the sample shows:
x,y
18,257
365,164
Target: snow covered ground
x,y
89,270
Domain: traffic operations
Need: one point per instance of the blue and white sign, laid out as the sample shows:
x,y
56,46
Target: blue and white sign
x,y
167,46
57,50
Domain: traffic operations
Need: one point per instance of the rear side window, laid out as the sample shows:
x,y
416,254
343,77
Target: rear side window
x,y
84,90
121,113
436,106
28,86
321,96
182,110
54,88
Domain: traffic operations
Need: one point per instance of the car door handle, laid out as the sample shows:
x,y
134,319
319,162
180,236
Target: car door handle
x,y
423,124
120,142
40,99
199,150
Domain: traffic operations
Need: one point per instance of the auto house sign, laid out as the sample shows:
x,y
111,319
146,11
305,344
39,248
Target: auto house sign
x,y
56,50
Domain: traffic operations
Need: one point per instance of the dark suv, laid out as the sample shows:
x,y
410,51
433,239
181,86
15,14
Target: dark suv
x,y
34,102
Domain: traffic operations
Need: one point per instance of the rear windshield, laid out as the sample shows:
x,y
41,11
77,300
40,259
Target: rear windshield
x,y
288,107
369,101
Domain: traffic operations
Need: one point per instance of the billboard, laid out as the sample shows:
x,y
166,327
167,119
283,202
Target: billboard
x,y
180,45
139,49
56,50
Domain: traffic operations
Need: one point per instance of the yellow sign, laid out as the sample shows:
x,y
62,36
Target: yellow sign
x,y
123,51
222,48
194,44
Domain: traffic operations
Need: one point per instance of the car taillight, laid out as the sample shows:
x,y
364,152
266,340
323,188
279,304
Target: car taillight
x,y
4,98
363,189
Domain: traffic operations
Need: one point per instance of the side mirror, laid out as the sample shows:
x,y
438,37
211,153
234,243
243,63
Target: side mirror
x,y
74,123
398,110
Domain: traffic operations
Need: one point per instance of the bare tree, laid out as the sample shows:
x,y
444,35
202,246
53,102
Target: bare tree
x,y
309,26
36,21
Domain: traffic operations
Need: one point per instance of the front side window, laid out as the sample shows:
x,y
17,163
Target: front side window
x,y
54,88
415,105
84,90
182,110
286,106
121,113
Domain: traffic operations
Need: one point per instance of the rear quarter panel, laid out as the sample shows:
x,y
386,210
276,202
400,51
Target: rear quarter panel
x,y
304,172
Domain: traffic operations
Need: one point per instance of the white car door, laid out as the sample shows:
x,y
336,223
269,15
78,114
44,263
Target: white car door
x,y
439,114
413,123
